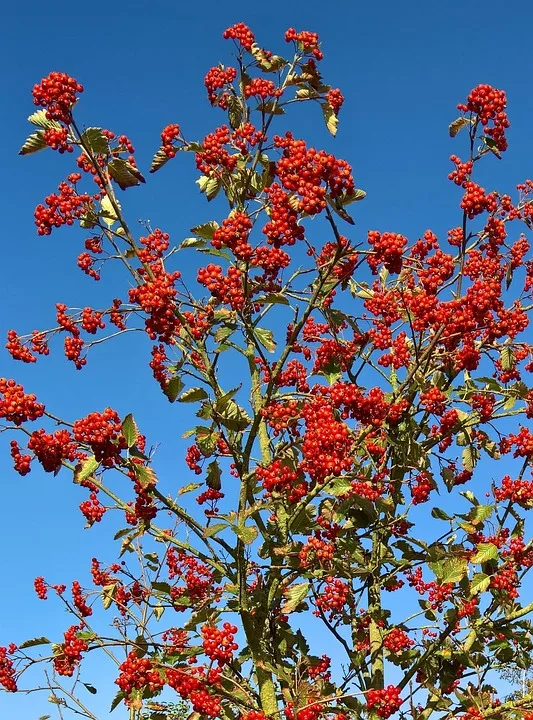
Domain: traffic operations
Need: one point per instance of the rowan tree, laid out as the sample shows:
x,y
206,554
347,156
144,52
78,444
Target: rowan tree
x,y
379,378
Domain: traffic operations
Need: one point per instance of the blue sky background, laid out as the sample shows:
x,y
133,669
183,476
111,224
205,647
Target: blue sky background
x,y
403,67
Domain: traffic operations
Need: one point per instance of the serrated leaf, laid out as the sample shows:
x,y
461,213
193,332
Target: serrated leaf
x,y
354,196
507,358
440,514
331,120
246,533
272,299
173,387
451,570
34,642
213,530
206,440
213,476
34,143
163,587
266,338
130,430
234,417
96,140
340,486
85,469
484,553
190,487
159,159
294,596
192,242
458,125
39,118
108,593
124,174
479,583
469,457
193,395
108,214
206,230
145,475
117,700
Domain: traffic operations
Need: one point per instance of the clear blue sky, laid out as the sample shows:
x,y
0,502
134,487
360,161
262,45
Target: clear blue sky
x,y
403,67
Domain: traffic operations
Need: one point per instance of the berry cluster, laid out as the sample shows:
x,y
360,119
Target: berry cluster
x,y
102,433
259,87
387,249
219,645
307,40
61,208
68,656
242,34
138,672
168,135
16,406
489,105
57,93
384,702
7,670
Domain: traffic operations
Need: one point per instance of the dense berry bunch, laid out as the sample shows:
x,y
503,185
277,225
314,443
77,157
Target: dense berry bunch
x,y
68,655
489,105
57,93
16,406
138,672
102,433
168,135
307,40
335,99
234,234
259,87
58,139
62,208
219,645
387,249
51,449
7,671
242,34
518,491
384,702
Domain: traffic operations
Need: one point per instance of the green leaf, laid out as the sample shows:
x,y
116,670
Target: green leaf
x,y
340,486
108,593
96,140
272,299
266,338
173,387
193,395
90,688
108,214
354,196
213,530
206,230
192,242
39,118
507,358
234,417
246,533
158,612
130,430
479,583
189,488
162,587
34,143
145,475
294,596
485,552
440,514
159,159
331,120
34,642
117,700
469,457
213,476
124,174
206,439
451,570
458,125
85,469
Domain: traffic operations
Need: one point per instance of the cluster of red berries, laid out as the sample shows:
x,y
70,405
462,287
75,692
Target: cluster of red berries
x,y
333,598
154,246
69,656
21,463
7,669
234,234
16,406
281,478
60,209
137,673
475,201
259,87
282,416
156,296
198,578
219,645
57,139
489,105
433,401
241,33
102,432
168,135
215,79
282,227
227,289
317,550
462,171
307,40
397,641
387,249
85,263
79,599
213,159
41,588
92,509
335,99
91,320
327,442
57,93
421,488
518,491
51,449
385,701
17,349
